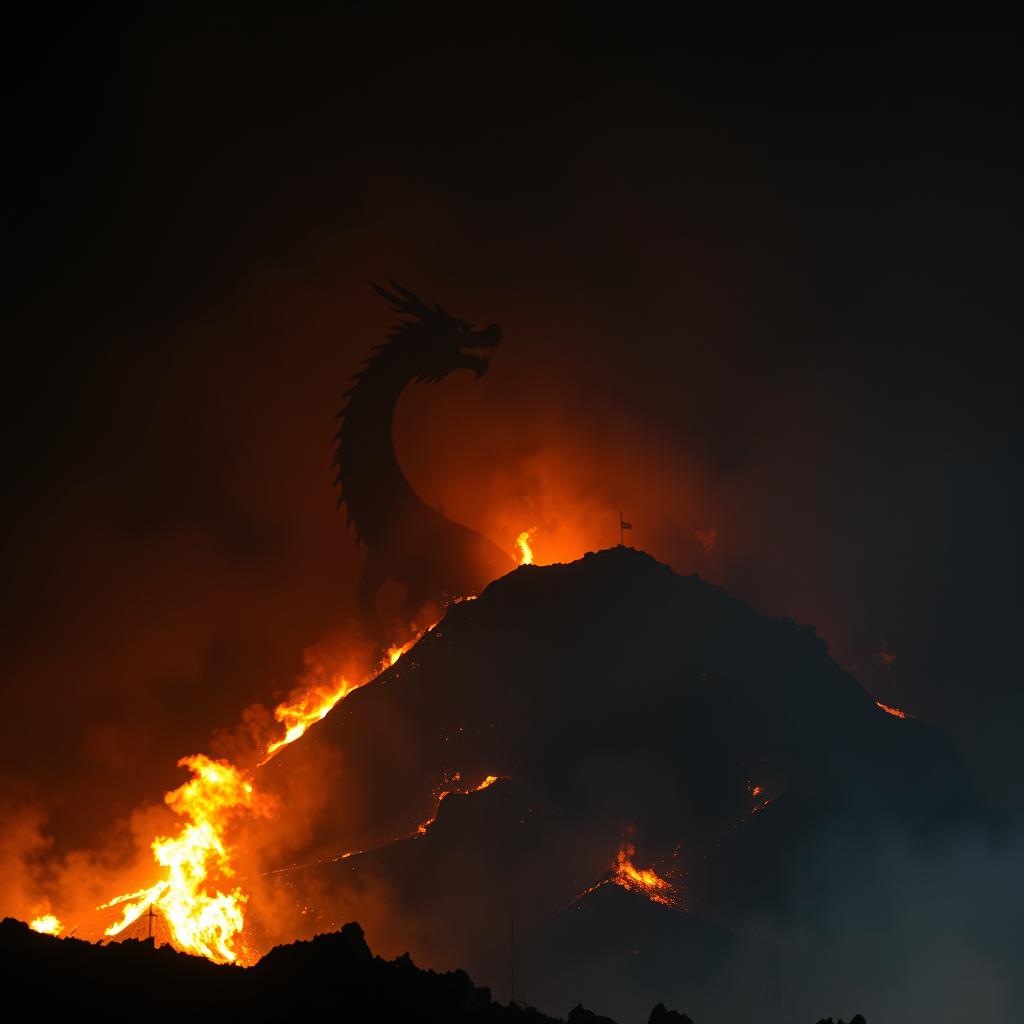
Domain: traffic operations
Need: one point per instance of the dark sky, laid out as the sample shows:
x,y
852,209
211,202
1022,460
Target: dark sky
x,y
756,273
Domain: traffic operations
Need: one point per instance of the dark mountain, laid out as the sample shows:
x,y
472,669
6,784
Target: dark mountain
x,y
623,708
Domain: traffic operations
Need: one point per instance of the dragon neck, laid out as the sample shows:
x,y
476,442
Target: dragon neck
x,y
373,487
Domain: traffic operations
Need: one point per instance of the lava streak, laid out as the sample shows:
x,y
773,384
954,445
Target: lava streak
x,y
307,708
424,827
895,712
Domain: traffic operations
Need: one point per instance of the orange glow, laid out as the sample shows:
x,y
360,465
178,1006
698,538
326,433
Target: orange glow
x,y
706,538
525,549
311,706
202,917
394,653
896,712
47,924
424,827
645,881
756,791
198,895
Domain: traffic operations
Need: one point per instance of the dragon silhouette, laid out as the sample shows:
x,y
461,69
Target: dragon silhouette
x,y
407,541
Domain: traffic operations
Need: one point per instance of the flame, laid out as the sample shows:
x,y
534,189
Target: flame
x,y
309,707
645,881
896,712
198,897
441,795
394,653
202,918
313,704
47,924
523,544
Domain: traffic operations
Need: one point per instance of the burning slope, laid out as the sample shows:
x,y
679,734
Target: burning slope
x,y
202,916
199,896
560,680
645,881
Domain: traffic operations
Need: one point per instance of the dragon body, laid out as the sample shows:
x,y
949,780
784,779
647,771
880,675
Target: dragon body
x,y
407,541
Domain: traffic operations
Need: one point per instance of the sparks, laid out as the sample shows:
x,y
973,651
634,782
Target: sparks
x,y
645,881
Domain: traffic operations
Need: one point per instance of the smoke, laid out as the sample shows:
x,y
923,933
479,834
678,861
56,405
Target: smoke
x,y
895,927
40,879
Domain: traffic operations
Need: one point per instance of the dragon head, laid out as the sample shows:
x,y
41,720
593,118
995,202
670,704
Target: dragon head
x,y
436,342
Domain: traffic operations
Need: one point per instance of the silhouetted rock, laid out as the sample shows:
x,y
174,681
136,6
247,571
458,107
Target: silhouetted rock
x,y
661,1015
580,1015
333,975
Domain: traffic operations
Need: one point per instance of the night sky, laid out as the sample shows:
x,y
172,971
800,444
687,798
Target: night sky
x,y
757,274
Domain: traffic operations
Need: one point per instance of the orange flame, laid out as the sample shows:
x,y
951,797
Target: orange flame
x,y
47,924
201,917
523,544
896,712
645,881
443,794
198,897
310,707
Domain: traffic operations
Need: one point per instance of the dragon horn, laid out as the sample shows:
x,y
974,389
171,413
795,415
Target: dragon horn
x,y
413,303
392,300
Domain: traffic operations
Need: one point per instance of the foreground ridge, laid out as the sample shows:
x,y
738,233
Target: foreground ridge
x,y
334,972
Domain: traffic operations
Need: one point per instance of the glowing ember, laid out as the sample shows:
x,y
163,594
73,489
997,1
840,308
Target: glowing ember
x,y
896,712
645,881
48,924
523,544
489,781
